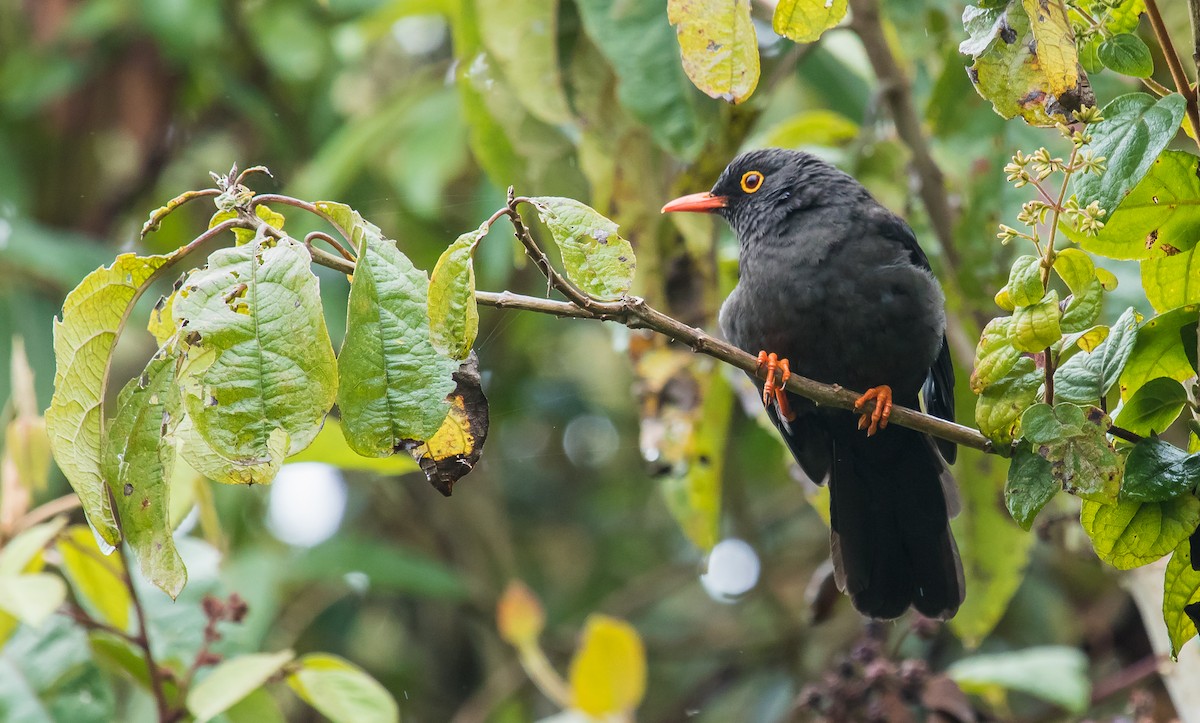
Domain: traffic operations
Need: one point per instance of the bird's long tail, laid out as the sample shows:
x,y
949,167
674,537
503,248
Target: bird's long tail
x,y
892,545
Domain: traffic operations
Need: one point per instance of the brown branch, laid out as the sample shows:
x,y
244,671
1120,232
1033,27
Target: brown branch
x,y
1194,7
1178,76
897,94
142,640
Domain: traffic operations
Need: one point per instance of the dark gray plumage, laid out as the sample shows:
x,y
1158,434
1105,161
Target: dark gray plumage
x,y
837,284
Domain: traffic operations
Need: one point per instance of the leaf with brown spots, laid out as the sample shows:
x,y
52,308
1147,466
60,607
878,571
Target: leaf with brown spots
x,y
455,448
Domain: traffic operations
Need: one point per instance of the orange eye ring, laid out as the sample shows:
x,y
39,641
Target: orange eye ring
x,y
752,181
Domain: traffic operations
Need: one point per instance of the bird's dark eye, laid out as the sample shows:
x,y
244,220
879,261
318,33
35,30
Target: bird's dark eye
x,y
751,181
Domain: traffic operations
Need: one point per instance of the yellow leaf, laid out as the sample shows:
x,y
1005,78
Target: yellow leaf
x,y
608,673
95,578
805,20
718,45
1056,54
519,615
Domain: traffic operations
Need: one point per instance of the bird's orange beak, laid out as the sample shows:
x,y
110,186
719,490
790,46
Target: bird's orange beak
x,y
697,202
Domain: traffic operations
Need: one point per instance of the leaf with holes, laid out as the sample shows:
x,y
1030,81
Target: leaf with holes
x,y
1135,130
138,461
1172,281
92,316
393,381
1160,216
259,361
596,258
1073,441
718,45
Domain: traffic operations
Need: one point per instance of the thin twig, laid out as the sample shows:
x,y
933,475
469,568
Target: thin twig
x,y
87,621
1125,434
46,510
337,245
1178,76
142,639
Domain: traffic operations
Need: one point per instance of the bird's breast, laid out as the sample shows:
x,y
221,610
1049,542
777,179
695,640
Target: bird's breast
x,y
838,321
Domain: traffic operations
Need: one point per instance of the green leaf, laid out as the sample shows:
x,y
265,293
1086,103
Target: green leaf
x,y
595,257
1160,216
995,355
93,314
1156,471
95,578
1153,407
226,469
1025,59
1025,281
33,597
47,675
1172,281
393,381
330,447
1074,443
530,65
1037,326
639,43
803,21
262,364
818,127
1128,55
718,45
1029,487
233,680
453,313
342,691
1181,590
139,459
1056,674
1135,130
1076,268
258,707
1086,377
1159,351
1130,534
999,408
982,529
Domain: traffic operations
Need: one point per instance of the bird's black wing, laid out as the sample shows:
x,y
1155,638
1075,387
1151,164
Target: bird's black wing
x,y
939,385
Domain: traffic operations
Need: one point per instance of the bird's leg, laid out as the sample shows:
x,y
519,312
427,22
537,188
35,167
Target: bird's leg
x,y
772,363
878,418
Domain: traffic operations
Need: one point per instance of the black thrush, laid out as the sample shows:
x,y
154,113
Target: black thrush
x,y
834,287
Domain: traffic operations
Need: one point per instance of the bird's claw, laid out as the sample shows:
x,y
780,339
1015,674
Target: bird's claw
x,y
877,419
771,363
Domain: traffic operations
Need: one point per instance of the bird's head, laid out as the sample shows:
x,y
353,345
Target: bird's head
x,y
759,190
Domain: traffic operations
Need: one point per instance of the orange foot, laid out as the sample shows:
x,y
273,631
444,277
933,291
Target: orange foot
x,y
878,418
770,363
